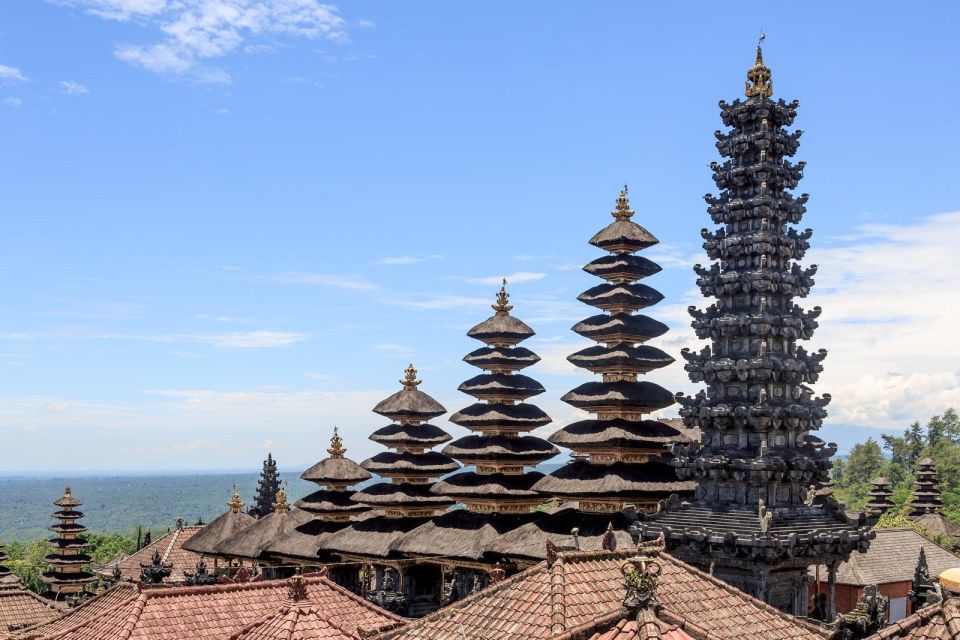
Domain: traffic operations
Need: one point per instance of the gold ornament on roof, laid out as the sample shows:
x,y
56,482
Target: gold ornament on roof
x,y
623,211
410,379
336,449
280,504
503,305
236,503
759,79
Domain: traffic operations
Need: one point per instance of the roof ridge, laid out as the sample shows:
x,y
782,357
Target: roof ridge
x,y
577,555
173,543
558,598
131,622
352,596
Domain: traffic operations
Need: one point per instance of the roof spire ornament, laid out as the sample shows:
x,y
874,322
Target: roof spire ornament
x,y
336,449
759,79
280,505
623,211
410,378
503,305
236,503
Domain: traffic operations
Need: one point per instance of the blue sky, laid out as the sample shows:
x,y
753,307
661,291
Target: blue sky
x,y
228,225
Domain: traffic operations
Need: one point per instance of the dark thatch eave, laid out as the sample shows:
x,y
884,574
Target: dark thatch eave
x,y
398,435
309,540
529,541
432,463
622,267
387,494
460,534
622,358
623,327
336,471
529,449
623,235
521,416
501,386
581,479
373,537
470,484
409,404
330,501
620,296
250,542
618,433
501,329
642,396
502,358
207,540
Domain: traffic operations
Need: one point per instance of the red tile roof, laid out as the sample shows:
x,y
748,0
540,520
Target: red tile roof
x,y
170,546
20,608
307,621
938,621
218,612
581,589
89,609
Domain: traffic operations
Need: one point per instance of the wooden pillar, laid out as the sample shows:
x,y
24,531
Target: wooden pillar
x,y
832,596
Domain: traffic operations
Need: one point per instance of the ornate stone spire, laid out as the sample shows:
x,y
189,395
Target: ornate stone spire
x,y
759,79
336,449
503,306
236,503
410,380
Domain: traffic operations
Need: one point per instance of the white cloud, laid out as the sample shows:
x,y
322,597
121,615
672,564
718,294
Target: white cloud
x,y
12,102
366,23
260,339
512,278
11,74
72,88
338,281
194,32
390,349
405,260
441,302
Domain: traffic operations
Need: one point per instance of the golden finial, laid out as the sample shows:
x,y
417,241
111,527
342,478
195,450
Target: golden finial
x,y
280,504
759,79
503,305
236,503
410,379
67,493
623,211
336,449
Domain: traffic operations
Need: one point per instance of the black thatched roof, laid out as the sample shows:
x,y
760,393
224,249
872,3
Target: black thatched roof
x,y
386,495
623,236
501,386
622,267
400,435
207,540
522,416
460,534
617,432
580,479
525,449
620,296
330,502
430,463
469,484
501,330
620,327
307,540
336,471
409,404
529,541
251,541
621,358
642,396
502,358
375,537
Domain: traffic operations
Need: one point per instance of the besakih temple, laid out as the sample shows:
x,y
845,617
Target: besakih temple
x,y
926,504
755,520
208,540
880,496
68,574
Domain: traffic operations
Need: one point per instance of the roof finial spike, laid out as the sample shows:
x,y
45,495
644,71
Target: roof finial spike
x,y
410,378
236,503
759,79
336,449
280,504
623,211
503,306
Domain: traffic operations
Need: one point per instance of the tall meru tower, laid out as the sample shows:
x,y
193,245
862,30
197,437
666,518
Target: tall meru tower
x,y
755,520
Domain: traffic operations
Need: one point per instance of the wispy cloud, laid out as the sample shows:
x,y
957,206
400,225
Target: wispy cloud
x,y
260,339
515,277
71,88
390,349
405,260
339,281
441,301
11,74
12,102
195,32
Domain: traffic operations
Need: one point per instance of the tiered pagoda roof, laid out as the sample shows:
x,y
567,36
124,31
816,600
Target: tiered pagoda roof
x,y
498,450
757,461
619,457
411,465
4,570
881,490
207,541
926,497
69,560
250,542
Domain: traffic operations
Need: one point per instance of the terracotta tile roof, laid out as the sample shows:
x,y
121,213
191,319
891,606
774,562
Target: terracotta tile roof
x,y
170,546
217,612
307,621
939,621
582,588
892,557
20,608
123,592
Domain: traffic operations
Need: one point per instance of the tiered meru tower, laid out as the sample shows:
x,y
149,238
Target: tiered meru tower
x,y
335,475
67,575
926,497
755,521
411,466
619,457
498,450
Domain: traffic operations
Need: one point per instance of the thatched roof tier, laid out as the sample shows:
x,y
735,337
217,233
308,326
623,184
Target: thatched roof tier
x,y
490,485
373,537
528,542
580,479
427,464
528,450
386,495
424,435
207,540
307,540
501,330
334,502
637,397
67,501
620,297
502,358
336,471
251,541
620,327
461,534
622,268
506,387
501,416
409,405
623,236
585,435
622,358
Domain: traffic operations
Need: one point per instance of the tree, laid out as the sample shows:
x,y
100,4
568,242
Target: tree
x,y
904,451
943,430
864,463
267,488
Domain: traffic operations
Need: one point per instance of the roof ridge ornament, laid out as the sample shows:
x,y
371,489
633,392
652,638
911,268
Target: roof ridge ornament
x,y
410,380
503,306
236,503
336,449
623,212
280,504
759,78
